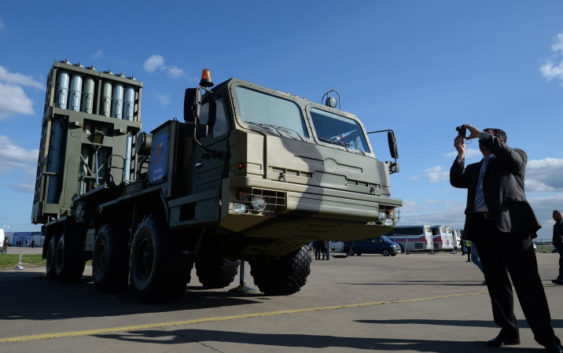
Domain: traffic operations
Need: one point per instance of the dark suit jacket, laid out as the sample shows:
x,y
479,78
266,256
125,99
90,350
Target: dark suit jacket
x,y
503,186
558,234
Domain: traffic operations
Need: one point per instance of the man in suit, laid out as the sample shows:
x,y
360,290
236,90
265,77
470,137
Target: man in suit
x,y
558,243
502,224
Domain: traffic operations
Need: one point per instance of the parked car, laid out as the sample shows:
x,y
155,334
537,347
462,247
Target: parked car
x,y
378,245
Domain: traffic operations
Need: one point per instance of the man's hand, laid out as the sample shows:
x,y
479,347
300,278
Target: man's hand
x,y
473,132
459,145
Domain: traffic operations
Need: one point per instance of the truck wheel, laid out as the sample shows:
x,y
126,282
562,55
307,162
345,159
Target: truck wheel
x,y
385,252
282,276
110,258
69,259
50,270
158,268
216,272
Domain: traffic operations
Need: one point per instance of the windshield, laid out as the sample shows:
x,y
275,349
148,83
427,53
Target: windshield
x,y
271,114
385,238
339,130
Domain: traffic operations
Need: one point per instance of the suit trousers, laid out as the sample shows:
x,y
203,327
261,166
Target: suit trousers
x,y
512,254
560,249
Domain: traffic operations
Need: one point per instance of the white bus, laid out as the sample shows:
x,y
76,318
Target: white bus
x,y
457,238
2,238
412,238
442,238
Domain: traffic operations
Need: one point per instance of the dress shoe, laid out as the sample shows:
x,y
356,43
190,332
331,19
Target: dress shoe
x,y
501,340
555,348
557,281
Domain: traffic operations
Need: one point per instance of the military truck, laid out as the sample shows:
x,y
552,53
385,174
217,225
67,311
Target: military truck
x,y
251,174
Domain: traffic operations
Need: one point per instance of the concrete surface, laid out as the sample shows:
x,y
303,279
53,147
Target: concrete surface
x,y
406,303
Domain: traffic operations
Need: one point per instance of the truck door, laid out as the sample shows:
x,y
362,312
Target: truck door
x,y
209,160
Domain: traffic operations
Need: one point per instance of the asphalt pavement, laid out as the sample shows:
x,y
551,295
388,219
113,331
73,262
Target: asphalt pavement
x,y
404,303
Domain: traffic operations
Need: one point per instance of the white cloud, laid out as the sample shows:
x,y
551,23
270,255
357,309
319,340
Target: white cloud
x,y
98,54
18,160
174,71
18,79
550,69
432,212
153,63
27,188
163,99
544,175
451,213
156,62
543,208
436,174
14,157
13,100
558,45
469,153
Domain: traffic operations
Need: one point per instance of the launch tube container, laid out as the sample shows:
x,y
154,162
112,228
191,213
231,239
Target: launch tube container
x,y
88,95
129,109
117,101
61,95
55,160
105,108
75,93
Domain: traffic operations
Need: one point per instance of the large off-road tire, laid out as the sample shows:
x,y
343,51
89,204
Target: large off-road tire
x,y
110,258
69,259
282,276
158,269
50,255
216,272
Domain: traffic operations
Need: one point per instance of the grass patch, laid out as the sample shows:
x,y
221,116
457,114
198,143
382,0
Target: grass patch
x,y
544,248
9,261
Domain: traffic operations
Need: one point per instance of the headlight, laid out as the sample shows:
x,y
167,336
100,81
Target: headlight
x,y
258,203
382,216
239,207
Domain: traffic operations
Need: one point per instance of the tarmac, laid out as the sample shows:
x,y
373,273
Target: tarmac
x,y
403,303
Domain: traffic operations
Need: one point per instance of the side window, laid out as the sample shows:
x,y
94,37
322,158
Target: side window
x,y
221,125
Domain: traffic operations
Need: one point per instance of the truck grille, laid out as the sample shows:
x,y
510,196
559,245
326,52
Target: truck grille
x,y
275,200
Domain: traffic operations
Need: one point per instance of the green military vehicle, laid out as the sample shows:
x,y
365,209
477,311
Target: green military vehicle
x,y
251,174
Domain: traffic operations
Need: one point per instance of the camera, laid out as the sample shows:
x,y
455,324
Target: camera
x,y
461,130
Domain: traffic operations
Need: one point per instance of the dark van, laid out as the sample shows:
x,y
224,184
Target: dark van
x,y
378,245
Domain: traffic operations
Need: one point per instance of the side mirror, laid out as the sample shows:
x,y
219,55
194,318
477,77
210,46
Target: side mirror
x,y
392,145
192,105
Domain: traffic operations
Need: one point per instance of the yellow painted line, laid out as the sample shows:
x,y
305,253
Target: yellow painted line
x,y
107,330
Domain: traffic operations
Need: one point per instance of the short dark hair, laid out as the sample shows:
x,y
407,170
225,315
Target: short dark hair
x,y
499,133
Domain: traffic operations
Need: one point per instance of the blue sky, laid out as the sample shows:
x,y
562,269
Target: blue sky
x,y
418,67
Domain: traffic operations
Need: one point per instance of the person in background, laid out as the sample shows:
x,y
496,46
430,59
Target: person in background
x,y
327,250
502,224
558,243
317,249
